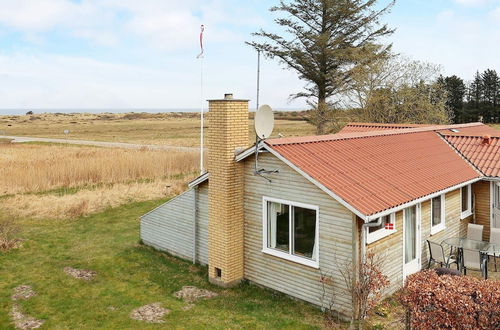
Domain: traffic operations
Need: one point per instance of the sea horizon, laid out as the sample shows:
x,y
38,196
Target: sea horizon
x,y
23,111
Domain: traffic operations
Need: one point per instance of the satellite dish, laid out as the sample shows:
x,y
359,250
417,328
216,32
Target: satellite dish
x,y
264,122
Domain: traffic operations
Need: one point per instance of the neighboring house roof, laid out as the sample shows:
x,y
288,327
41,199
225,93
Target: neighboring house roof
x,y
370,127
374,172
483,152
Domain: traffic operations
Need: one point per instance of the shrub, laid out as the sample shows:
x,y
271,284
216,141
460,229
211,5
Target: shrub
x,y
364,283
8,235
451,302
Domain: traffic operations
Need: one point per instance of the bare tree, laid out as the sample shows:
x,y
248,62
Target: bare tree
x,y
390,72
365,283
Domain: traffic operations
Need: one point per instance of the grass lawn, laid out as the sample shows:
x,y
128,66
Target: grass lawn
x,y
129,275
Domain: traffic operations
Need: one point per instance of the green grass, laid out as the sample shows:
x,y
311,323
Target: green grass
x,y
129,275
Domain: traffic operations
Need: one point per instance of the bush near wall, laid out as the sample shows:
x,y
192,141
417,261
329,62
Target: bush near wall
x,y
451,302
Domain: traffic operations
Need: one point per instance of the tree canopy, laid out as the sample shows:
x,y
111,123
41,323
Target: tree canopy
x,y
326,42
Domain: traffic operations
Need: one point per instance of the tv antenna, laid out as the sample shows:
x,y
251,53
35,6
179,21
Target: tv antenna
x,y
264,124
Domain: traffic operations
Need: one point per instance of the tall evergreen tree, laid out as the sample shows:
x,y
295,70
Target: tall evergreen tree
x,y
474,98
326,42
491,97
456,90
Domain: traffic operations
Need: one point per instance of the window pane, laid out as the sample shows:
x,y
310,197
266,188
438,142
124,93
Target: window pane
x,y
465,198
436,211
304,230
385,219
278,231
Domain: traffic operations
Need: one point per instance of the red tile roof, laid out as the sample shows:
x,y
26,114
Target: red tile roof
x,y
370,127
478,130
375,171
484,156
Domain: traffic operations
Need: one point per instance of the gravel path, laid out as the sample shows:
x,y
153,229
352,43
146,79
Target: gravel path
x,y
20,139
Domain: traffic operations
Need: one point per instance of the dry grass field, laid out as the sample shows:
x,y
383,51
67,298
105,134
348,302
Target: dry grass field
x,y
57,181
43,181
179,129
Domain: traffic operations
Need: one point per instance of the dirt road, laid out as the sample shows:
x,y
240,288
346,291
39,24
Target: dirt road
x,y
20,139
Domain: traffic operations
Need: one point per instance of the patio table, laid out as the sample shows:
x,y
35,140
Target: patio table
x,y
484,248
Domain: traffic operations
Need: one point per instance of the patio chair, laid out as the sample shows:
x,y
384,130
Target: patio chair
x,y
475,232
495,238
472,260
436,255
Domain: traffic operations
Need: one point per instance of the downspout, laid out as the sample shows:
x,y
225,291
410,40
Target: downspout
x,y
195,221
363,236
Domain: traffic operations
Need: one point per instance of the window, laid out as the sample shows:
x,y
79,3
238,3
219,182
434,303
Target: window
x,y
466,201
291,231
437,214
386,227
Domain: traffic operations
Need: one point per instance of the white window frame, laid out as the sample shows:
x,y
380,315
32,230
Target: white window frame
x,y
382,232
468,212
442,225
311,262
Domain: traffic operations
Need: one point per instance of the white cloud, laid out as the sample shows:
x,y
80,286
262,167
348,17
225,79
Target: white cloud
x,y
495,14
474,2
165,24
54,82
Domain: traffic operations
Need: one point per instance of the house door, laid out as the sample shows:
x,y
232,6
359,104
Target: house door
x,y
411,240
495,221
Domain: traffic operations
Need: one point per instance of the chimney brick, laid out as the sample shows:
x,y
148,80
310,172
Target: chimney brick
x,y
227,132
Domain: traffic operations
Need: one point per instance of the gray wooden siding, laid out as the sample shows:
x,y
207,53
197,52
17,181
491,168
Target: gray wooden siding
x,y
392,246
202,224
170,227
335,242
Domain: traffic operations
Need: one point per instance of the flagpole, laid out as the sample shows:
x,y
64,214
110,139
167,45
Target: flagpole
x,y
200,56
201,115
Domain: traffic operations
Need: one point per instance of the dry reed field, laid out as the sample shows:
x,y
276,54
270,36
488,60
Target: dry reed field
x,y
143,128
42,181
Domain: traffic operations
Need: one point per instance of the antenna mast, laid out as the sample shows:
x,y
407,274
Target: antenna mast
x,y
258,78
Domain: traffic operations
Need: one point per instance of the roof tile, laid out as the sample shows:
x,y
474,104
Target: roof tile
x,y
485,157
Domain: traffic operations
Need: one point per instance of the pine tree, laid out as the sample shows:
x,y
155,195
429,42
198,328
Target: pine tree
x,y
456,90
326,42
490,84
475,98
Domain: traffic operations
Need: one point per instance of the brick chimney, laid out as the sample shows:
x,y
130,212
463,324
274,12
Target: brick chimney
x,y
227,132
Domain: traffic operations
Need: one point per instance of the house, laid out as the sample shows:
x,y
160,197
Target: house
x,y
327,200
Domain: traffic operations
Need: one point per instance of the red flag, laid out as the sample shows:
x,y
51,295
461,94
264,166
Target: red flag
x,y
202,28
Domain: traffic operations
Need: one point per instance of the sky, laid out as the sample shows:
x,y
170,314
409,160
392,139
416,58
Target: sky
x,y
129,54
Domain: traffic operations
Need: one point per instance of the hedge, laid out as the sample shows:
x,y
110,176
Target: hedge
x,y
451,302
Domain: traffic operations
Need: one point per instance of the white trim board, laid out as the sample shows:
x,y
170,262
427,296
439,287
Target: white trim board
x,y
198,180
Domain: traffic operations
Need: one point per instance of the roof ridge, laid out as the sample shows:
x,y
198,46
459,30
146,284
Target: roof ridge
x,y
356,135
387,125
461,154
471,135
